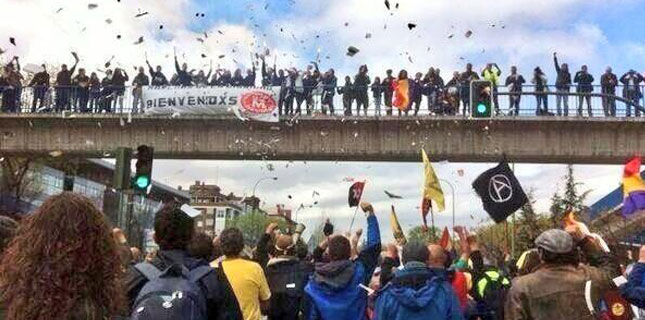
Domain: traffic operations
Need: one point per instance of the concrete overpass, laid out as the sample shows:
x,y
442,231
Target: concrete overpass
x,y
534,139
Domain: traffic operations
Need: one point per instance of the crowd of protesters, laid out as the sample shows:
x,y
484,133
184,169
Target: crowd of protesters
x,y
306,90
63,261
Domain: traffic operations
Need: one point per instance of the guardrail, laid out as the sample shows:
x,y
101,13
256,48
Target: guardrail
x,y
308,101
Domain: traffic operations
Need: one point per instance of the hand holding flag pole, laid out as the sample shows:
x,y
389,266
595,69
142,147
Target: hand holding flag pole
x,y
355,196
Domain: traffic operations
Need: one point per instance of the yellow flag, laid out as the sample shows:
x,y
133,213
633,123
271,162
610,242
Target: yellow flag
x,y
399,236
431,187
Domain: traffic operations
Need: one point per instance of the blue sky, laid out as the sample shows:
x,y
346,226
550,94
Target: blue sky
x,y
595,32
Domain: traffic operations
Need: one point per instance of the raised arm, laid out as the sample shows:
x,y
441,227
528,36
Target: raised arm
x,y
555,61
370,254
262,250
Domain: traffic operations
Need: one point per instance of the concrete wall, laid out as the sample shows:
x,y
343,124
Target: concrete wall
x,y
536,140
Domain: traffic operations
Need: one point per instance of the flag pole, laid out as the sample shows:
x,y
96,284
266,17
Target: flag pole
x,y
356,210
434,236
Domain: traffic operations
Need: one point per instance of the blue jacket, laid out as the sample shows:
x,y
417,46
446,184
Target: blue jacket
x,y
634,290
417,292
333,290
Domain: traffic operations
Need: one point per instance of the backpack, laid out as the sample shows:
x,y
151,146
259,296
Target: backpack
x,y
287,282
490,305
173,293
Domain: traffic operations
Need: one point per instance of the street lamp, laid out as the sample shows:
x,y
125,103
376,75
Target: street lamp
x,y
260,180
452,188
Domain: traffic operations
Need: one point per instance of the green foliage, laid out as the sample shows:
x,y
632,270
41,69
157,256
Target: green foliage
x,y
253,225
570,200
529,225
417,234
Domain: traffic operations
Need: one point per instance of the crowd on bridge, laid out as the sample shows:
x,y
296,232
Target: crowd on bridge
x,y
313,90
64,262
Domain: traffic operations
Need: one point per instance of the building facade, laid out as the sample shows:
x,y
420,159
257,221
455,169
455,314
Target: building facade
x,y
217,207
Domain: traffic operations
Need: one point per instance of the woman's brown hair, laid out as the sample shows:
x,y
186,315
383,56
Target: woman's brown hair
x,y
61,261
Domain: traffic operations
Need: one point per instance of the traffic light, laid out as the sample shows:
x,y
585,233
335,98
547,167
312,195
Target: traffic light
x,y
143,176
481,99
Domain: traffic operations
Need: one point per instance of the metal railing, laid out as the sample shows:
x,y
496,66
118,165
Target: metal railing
x,y
361,102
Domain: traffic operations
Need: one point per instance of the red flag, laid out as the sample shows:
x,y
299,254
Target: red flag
x,y
445,242
355,194
426,206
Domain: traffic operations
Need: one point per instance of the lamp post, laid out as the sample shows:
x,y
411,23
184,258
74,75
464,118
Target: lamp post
x,y
452,188
260,180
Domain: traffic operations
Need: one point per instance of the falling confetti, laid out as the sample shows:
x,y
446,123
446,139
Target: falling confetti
x,y
160,26
141,14
451,36
351,51
12,40
139,41
92,6
387,4
108,21
412,25
468,34
368,35
391,195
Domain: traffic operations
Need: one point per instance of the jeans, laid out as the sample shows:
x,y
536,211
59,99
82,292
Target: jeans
x,y
562,97
377,106
542,100
39,98
581,100
632,96
514,104
136,100
609,104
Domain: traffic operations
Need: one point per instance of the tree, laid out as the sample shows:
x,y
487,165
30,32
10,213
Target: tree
x,y
418,234
571,200
19,177
529,225
253,225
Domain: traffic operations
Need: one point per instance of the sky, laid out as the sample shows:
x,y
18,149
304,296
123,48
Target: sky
x,y
509,32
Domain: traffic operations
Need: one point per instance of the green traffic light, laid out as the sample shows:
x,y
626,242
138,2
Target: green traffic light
x,y
142,182
481,108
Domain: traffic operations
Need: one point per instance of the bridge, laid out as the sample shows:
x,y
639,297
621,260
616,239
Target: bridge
x,y
326,138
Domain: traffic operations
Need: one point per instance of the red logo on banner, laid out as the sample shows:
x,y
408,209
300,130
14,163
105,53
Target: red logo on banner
x,y
258,102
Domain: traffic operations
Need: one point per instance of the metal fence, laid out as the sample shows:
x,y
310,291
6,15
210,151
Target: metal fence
x,y
362,102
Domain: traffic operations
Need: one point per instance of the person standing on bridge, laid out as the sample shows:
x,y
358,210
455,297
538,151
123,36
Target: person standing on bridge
x,y
492,73
541,89
562,85
388,92
140,80
416,93
584,80
632,91
39,85
157,78
361,85
329,83
63,86
377,94
184,78
466,77
608,81
514,83
348,95
119,79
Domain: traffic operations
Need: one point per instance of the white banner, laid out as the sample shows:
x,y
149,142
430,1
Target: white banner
x,y
258,104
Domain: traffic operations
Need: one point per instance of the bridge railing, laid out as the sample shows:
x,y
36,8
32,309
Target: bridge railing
x,y
451,100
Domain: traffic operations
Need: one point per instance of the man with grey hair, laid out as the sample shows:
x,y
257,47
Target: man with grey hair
x,y
556,289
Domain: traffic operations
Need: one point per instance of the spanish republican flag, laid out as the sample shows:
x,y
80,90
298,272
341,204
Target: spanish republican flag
x,y
401,94
633,187
431,188
399,236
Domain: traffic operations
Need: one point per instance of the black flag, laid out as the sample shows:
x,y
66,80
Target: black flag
x,y
500,192
355,194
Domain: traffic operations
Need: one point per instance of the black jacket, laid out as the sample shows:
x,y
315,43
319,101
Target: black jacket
x,y
608,83
134,280
584,81
517,82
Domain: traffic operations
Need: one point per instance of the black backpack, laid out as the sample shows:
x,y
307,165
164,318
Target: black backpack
x,y
287,281
173,293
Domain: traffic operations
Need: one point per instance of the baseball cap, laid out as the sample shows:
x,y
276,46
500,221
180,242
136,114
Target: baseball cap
x,y
555,241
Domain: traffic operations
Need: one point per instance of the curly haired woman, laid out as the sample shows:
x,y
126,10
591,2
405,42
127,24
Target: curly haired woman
x,y
62,264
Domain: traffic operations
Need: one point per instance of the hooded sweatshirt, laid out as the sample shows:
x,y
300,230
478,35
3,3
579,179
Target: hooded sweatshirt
x,y
333,290
417,293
